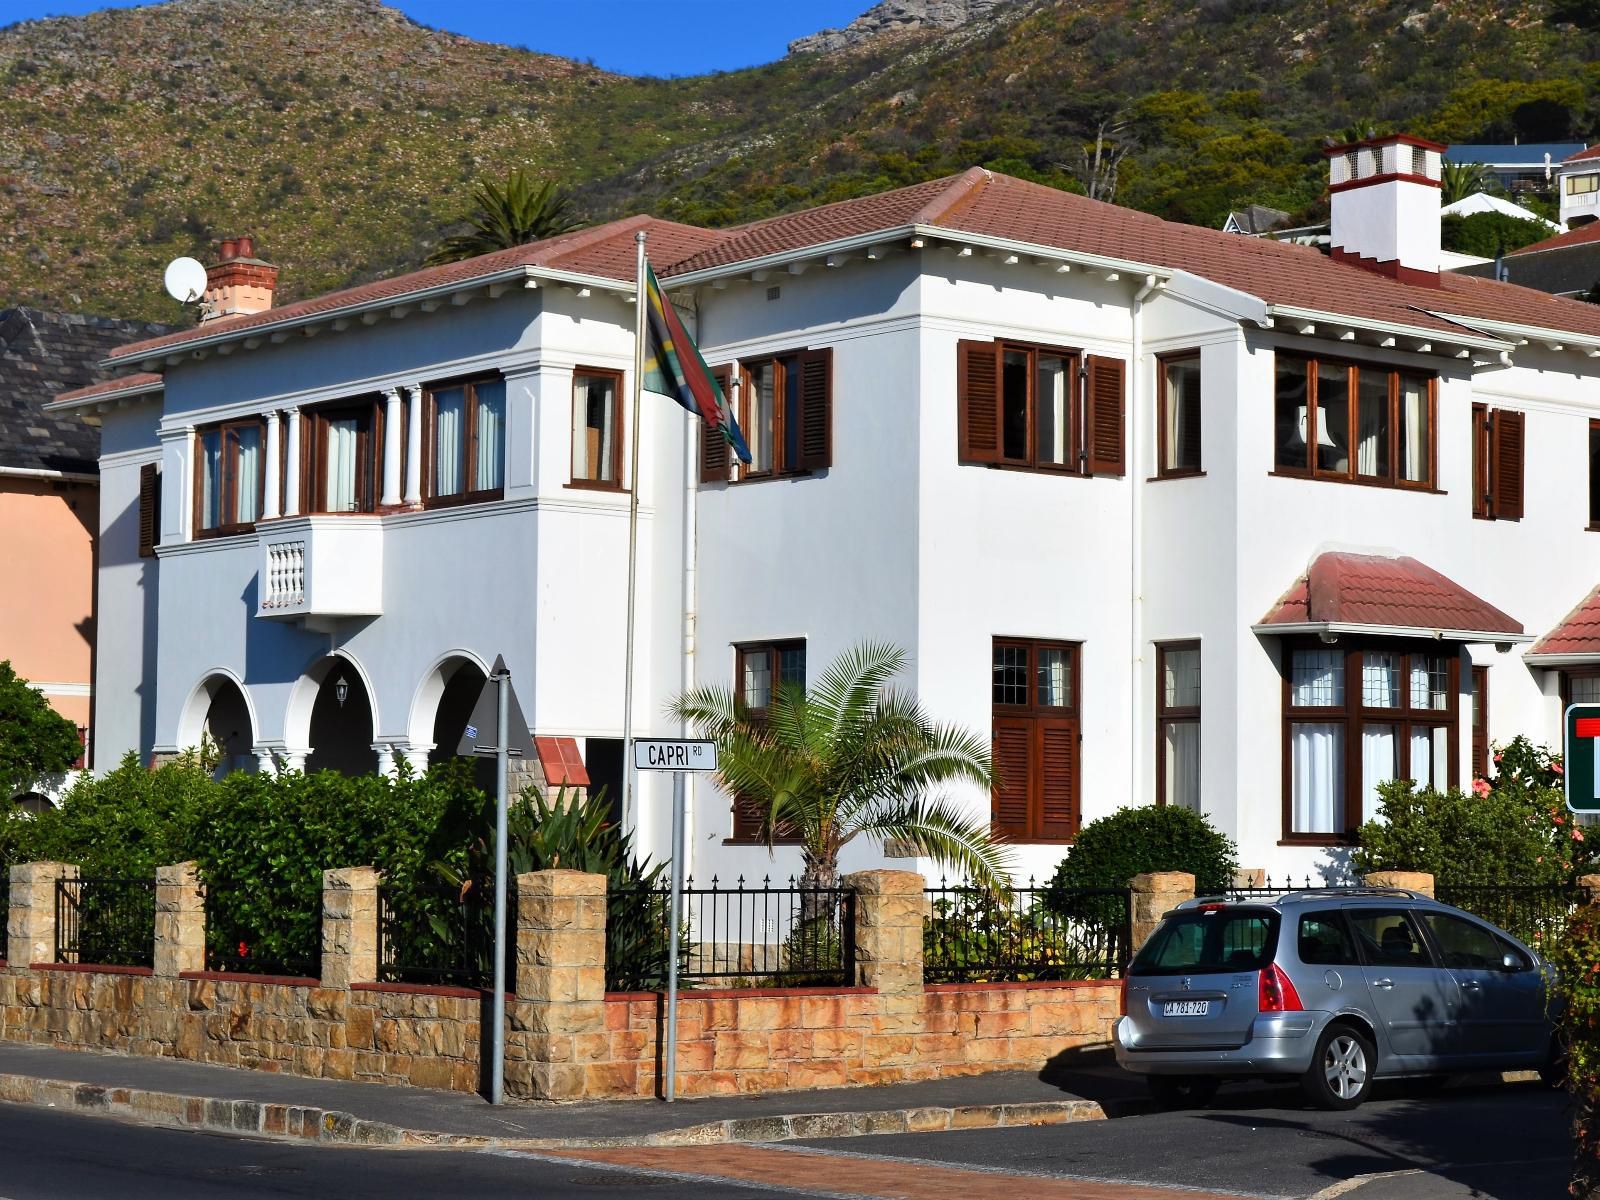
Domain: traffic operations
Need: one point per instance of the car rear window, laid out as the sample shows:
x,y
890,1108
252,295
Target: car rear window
x,y
1200,940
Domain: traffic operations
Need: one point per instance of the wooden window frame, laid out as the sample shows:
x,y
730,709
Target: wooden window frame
x,y
228,466
743,833
1594,477
1164,361
369,456
1352,715
788,368
1353,367
619,484
1568,674
469,444
1177,714
1077,450
1036,716
1589,177
1480,722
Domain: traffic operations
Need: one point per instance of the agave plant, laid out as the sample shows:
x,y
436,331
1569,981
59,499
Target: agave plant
x,y
509,214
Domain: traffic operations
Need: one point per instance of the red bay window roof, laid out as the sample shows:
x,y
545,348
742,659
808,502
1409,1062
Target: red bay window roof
x,y
1344,592
1574,641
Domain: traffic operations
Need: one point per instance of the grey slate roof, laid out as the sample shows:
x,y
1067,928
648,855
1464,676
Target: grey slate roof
x,y
41,355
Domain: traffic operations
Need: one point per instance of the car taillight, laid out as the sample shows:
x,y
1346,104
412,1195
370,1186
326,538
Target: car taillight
x,y
1124,1001
1276,993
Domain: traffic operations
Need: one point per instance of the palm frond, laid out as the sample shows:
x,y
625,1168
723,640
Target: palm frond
x,y
942,832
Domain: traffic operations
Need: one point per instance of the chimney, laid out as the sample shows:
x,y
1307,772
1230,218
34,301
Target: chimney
x,y
240,283
1385,196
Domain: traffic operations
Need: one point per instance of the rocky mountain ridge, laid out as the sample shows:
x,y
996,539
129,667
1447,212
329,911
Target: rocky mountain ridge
x,y
896,16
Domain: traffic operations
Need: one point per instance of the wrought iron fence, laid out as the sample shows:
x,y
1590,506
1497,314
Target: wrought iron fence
x,y
1536,914
1267,887
108,922
973,934
766,936
248,935
443,933
5,895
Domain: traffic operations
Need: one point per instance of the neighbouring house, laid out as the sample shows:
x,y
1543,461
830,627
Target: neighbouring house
x,y
1567,264
1528,166
1179,517
1579,180
49,504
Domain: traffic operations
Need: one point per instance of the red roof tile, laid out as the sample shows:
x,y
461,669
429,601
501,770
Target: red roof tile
x,y
1591,152
1572,237
1369,589
131,384
563,765
1578,632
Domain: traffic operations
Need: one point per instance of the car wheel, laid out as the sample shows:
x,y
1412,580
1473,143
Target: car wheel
x,y
1341,1070
1554,1071
1182,1091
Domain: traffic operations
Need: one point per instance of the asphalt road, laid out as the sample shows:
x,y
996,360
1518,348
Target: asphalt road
x,y
1501,1142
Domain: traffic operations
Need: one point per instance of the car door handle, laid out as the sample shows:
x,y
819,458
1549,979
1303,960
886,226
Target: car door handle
x,y
1383,983
1471,985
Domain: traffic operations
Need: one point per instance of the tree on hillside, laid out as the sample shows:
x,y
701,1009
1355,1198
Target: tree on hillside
x,y
1457,181
850,757
509,213
1098,162
35,740
1489,234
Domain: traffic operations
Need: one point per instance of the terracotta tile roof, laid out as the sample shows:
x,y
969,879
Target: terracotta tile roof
x,y
1578,632
1572,237
606,251
1591,152
1342,588
563,764
143,381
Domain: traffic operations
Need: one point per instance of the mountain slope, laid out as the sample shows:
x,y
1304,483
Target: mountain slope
x,y
344,135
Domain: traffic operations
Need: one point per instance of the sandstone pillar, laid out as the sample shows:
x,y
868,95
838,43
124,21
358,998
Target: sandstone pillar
x,y
349,926
1589,888
31,921
561,981
180,920
890,907
1154,894
1414,881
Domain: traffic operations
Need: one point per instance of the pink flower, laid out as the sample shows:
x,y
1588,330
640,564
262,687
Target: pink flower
x,y
1556,767
1498,757
1577,835
1559,819
1480,787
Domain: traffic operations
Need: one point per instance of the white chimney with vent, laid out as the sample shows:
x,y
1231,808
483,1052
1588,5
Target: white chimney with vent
x,y
1385,196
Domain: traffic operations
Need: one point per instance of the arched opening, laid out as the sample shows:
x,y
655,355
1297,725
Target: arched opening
x,y
32,803
228,729
341,729
463,682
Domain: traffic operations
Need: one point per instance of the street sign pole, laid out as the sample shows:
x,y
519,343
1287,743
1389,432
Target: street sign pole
x,y
502,759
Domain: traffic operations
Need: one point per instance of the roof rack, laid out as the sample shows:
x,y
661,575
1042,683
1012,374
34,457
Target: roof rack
x,y
1306,893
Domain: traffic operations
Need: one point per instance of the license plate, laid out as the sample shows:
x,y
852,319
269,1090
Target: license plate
x,y
1186,1008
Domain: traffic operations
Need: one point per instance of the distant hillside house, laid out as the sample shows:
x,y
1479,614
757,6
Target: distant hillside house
x,y
1519,167
50,501
1580,188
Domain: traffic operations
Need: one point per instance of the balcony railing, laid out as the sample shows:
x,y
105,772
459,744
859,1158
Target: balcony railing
x,y
320,568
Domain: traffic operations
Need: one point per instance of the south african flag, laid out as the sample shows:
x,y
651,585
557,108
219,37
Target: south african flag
x,y
673,367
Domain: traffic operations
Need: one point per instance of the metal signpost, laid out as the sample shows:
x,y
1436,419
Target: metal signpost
x,y
1581,767
497,703
678,755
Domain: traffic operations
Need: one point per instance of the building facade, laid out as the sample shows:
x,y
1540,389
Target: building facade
x,y
1178,517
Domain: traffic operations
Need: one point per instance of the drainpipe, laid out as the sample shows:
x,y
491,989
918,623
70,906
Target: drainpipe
x,y
1136,541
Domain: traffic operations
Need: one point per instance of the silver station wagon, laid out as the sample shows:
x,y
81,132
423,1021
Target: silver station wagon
x,y
1336,987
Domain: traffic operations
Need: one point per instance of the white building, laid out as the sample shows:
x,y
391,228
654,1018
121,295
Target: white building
x,y
1578,181
1180,516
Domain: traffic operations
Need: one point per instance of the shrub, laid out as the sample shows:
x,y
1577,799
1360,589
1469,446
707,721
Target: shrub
x,y
35,740
1110,851
1576,956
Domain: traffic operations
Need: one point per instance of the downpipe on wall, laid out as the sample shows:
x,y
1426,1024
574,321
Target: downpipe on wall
x,y
1136,477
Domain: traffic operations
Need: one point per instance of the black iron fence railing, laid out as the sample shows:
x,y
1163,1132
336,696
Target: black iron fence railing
x,y
5,895
443,933
254,934
107,922
766,936
1536,914
976,935
1267,887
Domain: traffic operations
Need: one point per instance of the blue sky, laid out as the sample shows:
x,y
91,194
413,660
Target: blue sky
x,y
661,37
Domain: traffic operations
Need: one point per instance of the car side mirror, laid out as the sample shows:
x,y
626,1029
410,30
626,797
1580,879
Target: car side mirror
x,y
1510,962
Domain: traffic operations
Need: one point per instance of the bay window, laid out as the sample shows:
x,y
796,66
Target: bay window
x,y
466,431
229,477
1360,423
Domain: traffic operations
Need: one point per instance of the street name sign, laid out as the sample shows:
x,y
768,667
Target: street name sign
x,y
674,754
1581,768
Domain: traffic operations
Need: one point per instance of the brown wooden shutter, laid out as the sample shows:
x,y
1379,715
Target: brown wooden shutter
x,y
815,371
713,446
1482,503
1103,406
149,509
1506,483
1058,779
1013,759
978,400
1480,722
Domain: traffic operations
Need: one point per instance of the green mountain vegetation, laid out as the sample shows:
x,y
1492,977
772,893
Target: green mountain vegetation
x,y
347,138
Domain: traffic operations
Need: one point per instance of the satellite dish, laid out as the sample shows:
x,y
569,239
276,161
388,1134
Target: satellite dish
x,y
185,280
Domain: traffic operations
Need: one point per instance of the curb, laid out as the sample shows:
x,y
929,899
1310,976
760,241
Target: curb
x,y
295,1122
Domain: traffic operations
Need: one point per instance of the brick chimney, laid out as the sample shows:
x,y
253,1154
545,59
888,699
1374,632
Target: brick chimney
x,y
1385,197
240,283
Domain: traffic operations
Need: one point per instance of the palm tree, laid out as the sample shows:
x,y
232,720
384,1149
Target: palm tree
x,y
851,757
1457,181
509,214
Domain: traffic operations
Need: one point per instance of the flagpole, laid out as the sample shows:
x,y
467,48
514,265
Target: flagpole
x,y
640,301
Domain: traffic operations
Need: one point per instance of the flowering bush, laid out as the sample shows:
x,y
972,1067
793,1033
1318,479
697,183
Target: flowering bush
x,y
1577,959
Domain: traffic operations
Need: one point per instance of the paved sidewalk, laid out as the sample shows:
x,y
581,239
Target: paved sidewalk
x,y
168,1092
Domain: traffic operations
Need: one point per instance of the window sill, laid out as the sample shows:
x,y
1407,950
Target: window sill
x,y
464,498
1306,476
1165,475
1031,841
759,842
1027,469
1318,840
766,477
594,485
222,531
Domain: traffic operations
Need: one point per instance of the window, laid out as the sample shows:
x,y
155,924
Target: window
x,y
1577,185
1480,722
1363,424
760,670
596,425
1358,717
466,430
1034,693
344,456
1497,435
1178,423
149,509
1389,938
1462,944
1178,725
784,406
1197,942
1594,474
1039,407
229,478
1325,940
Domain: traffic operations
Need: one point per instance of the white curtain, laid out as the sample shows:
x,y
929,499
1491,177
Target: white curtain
x,y
210,480
248,440
1183,764
1052,410
1317,771
491,435
449,424
1318,679
1379,764
341,465
1413,429
1380,680
1430,757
